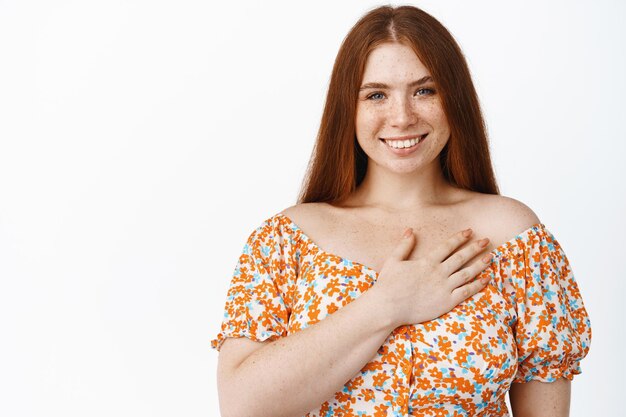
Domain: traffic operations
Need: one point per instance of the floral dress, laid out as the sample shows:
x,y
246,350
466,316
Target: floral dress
x,y
529,323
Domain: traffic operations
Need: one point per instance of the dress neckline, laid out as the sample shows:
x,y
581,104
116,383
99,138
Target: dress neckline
x,y
498,251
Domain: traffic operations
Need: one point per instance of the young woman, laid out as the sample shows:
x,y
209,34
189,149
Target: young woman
x,y
402,283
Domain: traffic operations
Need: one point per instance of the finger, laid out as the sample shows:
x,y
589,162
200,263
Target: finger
x,y
466,291
461,257
444,250
404,247
467,274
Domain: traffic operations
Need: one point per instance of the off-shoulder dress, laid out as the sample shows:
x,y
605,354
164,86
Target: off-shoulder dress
x,y
529,323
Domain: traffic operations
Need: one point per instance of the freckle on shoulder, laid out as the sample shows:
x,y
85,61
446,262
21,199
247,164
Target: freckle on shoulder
x,y
305,215
299,210
508,217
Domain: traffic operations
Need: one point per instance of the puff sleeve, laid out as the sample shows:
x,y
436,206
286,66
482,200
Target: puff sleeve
x,y
255,306
552,329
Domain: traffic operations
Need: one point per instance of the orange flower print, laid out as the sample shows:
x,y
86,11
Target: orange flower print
x,y
528,324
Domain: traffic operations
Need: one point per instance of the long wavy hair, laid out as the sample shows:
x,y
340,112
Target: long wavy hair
x,y
338,163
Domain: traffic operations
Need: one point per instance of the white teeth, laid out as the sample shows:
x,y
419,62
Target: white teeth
x,y
400,144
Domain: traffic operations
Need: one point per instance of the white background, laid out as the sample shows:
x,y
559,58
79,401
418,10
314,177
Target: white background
x,y
142,141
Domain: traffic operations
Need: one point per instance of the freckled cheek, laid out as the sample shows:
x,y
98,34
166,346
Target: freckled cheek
x,y
435,115
442,123
367,123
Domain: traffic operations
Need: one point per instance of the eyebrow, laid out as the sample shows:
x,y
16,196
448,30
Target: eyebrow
x,y
421,81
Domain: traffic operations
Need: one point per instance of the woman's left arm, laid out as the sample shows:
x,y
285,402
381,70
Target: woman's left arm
x,y
541,399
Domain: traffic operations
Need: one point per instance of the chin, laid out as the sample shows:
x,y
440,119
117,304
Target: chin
x,y
405,169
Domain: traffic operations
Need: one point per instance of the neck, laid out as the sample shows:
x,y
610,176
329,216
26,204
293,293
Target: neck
x,y
400,192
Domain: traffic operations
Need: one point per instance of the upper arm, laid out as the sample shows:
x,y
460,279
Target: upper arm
x,y
545,399
233,352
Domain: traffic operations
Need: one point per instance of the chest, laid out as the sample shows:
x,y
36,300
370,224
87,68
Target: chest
x,y
371,241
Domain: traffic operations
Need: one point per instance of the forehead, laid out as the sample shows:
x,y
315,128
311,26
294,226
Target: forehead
x,y
393,62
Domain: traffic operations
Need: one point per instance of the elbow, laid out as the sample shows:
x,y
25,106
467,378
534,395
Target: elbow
x,y
240,406
235,401
234,408
228,412
248,396
237,409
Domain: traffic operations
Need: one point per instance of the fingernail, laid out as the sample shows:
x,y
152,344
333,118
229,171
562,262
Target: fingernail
x,y
467,232
487,258
483,242
407,233
485,280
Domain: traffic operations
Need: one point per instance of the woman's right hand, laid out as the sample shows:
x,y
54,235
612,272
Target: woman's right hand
x,y
415,291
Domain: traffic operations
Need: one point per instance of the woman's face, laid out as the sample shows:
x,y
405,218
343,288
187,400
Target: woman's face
x,y
400,122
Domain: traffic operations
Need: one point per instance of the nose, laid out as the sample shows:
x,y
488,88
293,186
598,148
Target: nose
x,y
402,114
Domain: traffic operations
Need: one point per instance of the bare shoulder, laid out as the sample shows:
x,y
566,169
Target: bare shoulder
x,y
305,210
503,217
309,216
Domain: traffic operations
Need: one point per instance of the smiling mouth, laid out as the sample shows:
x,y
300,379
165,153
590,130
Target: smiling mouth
x,y
403,143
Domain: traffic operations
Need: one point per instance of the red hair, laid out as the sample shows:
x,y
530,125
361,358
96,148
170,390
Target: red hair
x,y
338,163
